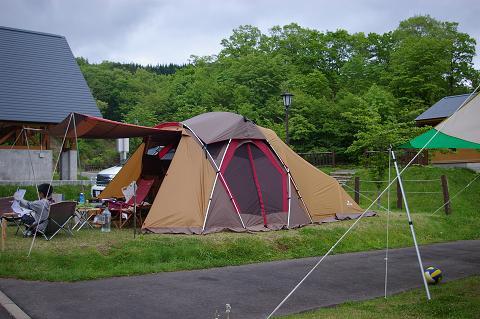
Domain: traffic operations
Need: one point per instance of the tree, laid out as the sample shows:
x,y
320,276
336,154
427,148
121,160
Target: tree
x,y
244,40
431,59
377,129
352,91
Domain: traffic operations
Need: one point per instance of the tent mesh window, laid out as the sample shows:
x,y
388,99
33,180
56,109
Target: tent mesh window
x,y
257,182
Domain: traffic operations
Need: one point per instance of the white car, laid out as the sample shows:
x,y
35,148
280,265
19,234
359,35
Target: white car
x,y
103,178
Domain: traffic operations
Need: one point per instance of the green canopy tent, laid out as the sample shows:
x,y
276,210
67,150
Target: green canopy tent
x,y
460,130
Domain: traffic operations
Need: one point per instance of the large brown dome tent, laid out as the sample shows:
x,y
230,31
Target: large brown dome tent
x,y
226,173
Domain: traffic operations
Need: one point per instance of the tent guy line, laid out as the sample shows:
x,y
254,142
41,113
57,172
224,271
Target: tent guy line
x,y
49,185
370,206
456,194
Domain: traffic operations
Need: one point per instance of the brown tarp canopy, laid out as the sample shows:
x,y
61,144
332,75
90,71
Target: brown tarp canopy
x,y
86,126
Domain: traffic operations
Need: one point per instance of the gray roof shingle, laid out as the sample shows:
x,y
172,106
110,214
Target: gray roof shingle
x,y
443,108
40,80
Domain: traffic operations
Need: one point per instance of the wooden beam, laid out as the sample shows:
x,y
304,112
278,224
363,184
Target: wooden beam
x,y
4,138
19,147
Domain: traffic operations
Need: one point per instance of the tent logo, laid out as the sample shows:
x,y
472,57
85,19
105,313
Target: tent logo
x,y
349,203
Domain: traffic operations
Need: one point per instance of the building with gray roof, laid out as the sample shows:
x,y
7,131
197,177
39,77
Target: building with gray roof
x,y
442,109
40,84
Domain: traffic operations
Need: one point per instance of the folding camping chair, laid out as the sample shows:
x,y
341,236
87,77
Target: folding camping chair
x,y
58,219
124,209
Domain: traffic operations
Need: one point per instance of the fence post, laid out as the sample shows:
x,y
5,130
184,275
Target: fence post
x,y
333,159
357,190
399,196
446,195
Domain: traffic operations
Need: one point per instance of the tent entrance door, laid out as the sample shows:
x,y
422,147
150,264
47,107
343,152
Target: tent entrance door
x,y
155,164
257,183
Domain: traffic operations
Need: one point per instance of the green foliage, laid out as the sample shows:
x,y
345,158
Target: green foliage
x,y
377,128
97,153
352,91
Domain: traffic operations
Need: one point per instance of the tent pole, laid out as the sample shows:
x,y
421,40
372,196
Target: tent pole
x,y
213,188
300,196
231,198
293,182
289,200
219,172
410,223
209,202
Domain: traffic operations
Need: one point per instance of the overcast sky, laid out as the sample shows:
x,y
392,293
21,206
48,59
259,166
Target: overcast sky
x,y
164,31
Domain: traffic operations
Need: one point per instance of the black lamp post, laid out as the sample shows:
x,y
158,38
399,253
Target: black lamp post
x,y
287,101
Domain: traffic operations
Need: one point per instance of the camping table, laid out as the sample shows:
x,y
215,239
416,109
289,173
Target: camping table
x,y
84,214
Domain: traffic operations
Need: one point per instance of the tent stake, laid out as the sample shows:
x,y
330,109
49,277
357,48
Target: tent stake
x,y
410,223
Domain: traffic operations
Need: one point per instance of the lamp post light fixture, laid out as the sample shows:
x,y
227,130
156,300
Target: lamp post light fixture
x,y
287,101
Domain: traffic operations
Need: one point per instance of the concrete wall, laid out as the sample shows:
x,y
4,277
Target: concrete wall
x,y
68,165
15,165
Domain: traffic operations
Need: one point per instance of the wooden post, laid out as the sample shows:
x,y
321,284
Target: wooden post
x,y
446,195
333,158
357,190
4,233
399,196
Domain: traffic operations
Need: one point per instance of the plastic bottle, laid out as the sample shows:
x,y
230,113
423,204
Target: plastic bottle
x,y
81,199
107,218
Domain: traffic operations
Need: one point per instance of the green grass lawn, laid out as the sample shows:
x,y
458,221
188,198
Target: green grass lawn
x,y
457,299
70,192
91,254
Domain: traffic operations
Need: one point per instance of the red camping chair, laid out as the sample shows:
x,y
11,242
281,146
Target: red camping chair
x,y
121,209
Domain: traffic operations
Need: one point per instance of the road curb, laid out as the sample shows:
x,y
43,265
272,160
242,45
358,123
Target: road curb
x,y
12,308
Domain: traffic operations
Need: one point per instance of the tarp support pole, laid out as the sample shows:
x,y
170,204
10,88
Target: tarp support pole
x,y
53,173
388,218
410,223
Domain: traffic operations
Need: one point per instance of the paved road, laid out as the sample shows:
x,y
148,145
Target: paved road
x,y
252,290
